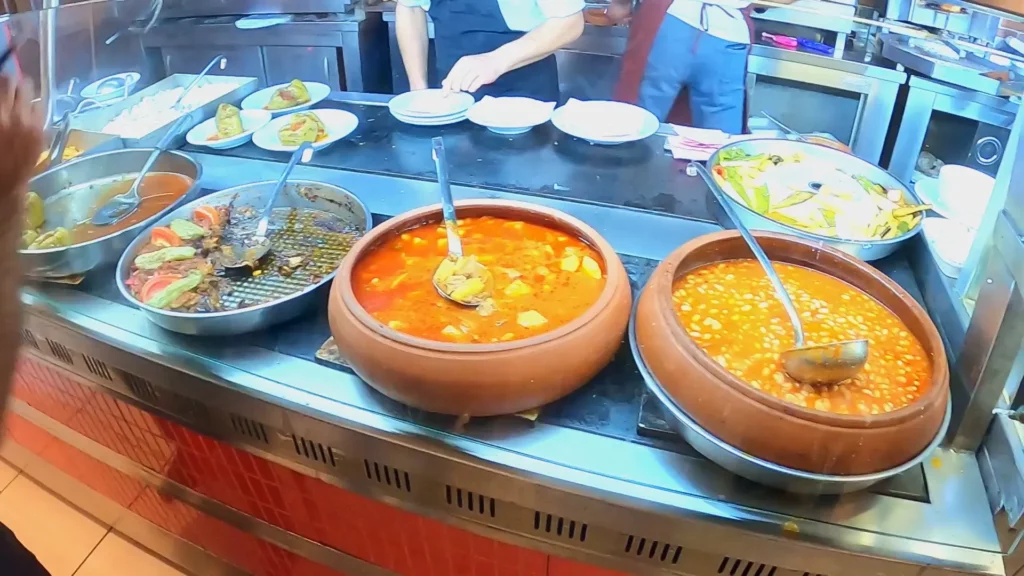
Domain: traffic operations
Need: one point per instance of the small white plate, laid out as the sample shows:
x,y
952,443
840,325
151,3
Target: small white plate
x,y
605,122
927,189
440,121
430,104
252,120
339,123
510,115
259,100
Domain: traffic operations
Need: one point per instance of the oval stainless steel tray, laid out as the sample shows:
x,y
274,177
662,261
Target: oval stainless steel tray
x,y
756,469
297,194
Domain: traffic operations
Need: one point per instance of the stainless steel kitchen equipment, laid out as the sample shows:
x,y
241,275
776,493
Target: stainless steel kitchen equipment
x,y
864,249
70,192
96,120
967,71
291,299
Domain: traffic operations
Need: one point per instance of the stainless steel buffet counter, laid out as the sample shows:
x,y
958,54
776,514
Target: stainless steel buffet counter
x,y
585,461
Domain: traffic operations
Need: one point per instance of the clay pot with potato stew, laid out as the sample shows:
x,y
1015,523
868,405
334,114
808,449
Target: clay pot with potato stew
x,y
710,329
556,316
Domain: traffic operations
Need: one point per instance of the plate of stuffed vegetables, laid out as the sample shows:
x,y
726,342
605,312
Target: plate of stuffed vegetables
x,y
286,98
230,128
320,127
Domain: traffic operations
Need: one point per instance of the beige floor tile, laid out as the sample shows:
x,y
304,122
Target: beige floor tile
x,y
116,555
58,534
7,474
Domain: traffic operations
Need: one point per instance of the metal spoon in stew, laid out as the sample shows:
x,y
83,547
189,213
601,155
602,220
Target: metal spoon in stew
x,y
815,365
459,278
252,249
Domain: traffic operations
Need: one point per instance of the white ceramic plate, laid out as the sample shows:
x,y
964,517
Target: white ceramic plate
x,y
430,104
252,120
927,189
338,123
258,100
439,121
130,78
605,122
510,115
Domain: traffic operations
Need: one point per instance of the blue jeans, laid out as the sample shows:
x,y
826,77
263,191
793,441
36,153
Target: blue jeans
x,y
713,69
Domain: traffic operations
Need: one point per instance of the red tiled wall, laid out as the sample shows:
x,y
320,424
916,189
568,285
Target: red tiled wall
x,y
386,536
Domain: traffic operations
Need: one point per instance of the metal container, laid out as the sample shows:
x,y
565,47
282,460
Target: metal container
x,y
297,194
70,191
90,143
755,469
95,120
863,249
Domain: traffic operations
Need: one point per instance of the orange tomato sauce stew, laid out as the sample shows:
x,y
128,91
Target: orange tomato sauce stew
x,y
543,279
730,310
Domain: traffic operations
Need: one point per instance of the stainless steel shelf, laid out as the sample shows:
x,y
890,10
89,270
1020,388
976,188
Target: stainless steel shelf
x,y
624,493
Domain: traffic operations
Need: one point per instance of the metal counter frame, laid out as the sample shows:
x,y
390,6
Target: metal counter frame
x,y
621,491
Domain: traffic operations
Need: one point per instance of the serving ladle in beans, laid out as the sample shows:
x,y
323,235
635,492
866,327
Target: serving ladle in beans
x,y
818,365
459,278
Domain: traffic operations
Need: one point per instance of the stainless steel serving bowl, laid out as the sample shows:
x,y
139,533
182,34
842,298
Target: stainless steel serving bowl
x,y
70,192
866,250
753,468
316,195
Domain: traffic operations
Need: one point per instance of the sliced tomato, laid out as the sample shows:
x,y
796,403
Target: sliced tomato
x,y
164,236
719,170
206,216
156,284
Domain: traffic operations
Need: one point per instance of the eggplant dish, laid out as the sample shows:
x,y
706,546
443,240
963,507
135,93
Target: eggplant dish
x,y
228,122
304,127
292,95
183,267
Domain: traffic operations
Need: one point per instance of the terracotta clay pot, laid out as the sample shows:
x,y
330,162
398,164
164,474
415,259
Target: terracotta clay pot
x,y
481,379
765,426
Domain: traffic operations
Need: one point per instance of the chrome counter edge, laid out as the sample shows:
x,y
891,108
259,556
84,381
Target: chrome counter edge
x,y
631,487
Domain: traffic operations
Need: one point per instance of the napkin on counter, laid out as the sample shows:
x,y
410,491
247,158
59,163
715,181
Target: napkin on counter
x,y
698,144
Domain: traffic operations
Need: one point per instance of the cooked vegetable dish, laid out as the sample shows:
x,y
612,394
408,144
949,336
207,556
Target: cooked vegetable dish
x,y
730,310
543,279
304,127
69,153
294,94
228,121
812,195
182,267
55,223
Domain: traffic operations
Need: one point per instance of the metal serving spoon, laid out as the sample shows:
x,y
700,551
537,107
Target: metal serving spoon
x,y
785,128
455,254
815,365
249,252
123,205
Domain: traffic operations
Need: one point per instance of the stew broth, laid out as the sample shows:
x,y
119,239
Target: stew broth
x,y
158,190
543,279
730,310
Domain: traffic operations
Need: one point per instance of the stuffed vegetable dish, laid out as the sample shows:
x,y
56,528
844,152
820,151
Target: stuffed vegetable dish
x,y
303,127
815,196
294,94
543,279
228,122
181,267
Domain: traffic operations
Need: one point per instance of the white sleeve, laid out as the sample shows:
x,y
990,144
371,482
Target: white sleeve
x,y
560,8
425,4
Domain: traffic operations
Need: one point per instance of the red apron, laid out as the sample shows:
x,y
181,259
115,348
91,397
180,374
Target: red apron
x,y
642,30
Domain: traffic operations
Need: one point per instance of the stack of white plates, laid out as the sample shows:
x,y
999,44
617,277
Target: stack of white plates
x,y
605,122
430,107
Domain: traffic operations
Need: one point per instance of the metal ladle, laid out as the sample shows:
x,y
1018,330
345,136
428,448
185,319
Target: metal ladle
x,y
121,206
819,365
784,128
216,59
257,246
452,229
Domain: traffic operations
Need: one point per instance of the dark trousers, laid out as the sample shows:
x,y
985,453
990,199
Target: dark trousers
x,y
15,559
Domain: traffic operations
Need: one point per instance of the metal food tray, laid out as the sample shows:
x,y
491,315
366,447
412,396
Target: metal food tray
x,y
95,120
753,468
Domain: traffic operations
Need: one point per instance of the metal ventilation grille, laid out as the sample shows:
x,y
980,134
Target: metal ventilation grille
x,y
466,500
315,451
29,339
61,352
250,428
139,387
386,475
560,527
654,550
97,367
740,567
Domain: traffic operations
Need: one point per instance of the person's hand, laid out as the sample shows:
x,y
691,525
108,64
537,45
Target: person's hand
x,y
472,72
618,11
21,136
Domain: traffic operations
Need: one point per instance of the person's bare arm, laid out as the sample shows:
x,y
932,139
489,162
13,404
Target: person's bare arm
x,y
411,30
472,72
21,139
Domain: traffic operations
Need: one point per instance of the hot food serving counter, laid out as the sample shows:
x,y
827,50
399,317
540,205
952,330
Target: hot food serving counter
x,y
263,453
